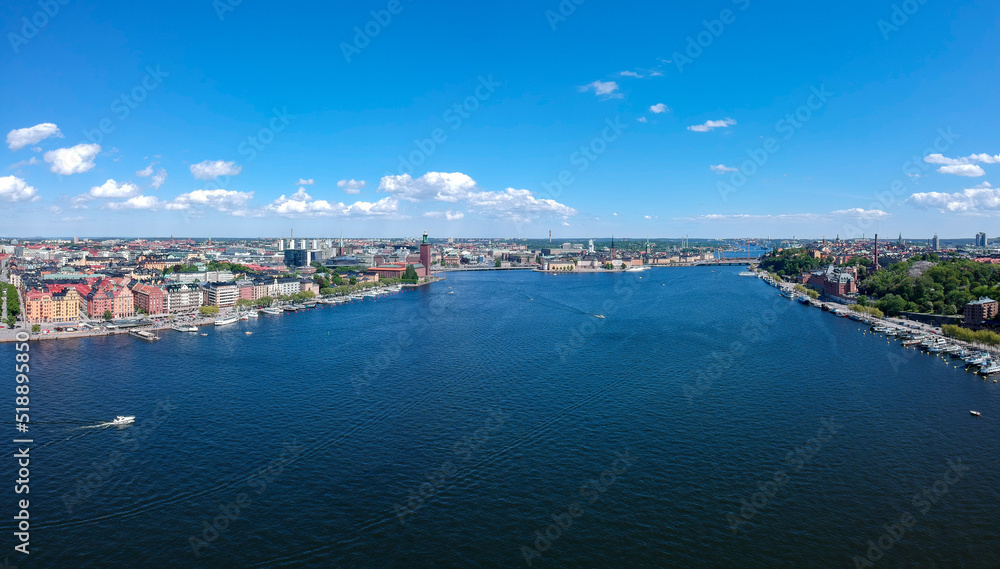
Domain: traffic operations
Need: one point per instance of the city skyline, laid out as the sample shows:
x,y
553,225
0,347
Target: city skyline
x,y
726,121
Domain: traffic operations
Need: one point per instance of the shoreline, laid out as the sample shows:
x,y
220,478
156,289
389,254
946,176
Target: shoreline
x,y
9,334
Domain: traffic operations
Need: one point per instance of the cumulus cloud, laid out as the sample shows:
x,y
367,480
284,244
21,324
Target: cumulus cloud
x,y
301,204
722,169
641,119
21,137
112,189
137,202
227,201
981,198
305,182
516,205
659,108
709,125
607,89
970,159
630,74
145,172
14,189
968,170
432,186
212,169
74,160
352,186
456,187
446,215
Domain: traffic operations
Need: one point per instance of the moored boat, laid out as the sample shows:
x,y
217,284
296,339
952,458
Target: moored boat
x,y
228,320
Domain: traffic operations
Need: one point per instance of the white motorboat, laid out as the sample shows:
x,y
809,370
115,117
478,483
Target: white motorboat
x,y
253,315
273,311
224,321
990,367
975,413
183,328
123,420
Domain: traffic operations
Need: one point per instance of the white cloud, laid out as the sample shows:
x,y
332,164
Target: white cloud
x,y
352,186
838,215
228,201
630,74
21,137
968,170
29,162
159,179
112,189
138,202
970,159
511,204
516,205
722,169
605,89
145,172
615,214
981,198
74,160
859,212
447,215
14,189
648,216
709,125
212,169
641,119
301,204
435,186
305,182
659,108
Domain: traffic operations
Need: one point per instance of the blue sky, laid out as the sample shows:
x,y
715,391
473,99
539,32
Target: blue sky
x,y
500,120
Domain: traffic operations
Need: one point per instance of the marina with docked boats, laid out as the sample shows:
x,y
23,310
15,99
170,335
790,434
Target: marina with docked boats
x,y
980,359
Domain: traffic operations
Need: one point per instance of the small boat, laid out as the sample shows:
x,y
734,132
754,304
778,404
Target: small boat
x,y
229,320
598,316
248,332
272,311
204,334
745,274
144,335
975,413
122,420
183,328
451,292
990,367
253,315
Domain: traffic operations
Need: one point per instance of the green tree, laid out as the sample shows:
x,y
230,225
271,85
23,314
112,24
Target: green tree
x,y
410,274
496,263
208,310
108,315
244,303
35,328
354,280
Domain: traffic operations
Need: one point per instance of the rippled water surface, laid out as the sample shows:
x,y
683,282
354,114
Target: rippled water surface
x,y
445,427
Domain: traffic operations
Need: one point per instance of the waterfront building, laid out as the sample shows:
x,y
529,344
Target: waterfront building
x,y
54,303
221,294
979,311
150,299
981,240
183,298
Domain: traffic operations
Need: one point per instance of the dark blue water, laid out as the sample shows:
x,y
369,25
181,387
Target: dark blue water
x,y
742,253
444,427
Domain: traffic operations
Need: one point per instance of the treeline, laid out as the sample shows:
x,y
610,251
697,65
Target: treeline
x,y
975,336
13,306
944,288
790,262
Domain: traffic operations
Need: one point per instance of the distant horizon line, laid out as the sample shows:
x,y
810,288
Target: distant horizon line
x,y
544,238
